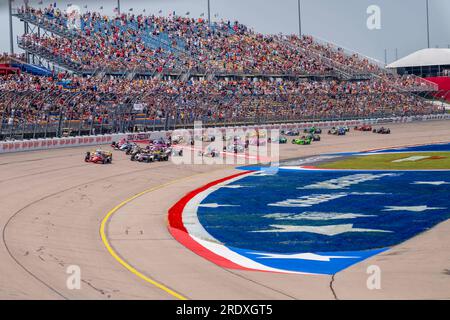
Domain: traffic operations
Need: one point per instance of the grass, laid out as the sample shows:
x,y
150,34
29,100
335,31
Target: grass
x,y
436,160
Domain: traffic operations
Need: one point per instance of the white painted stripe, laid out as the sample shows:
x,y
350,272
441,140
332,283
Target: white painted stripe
x,y
199,234
238,259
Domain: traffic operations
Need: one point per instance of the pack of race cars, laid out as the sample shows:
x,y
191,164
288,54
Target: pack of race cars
x,y
313,133
156,151
310,135
161,149
369,128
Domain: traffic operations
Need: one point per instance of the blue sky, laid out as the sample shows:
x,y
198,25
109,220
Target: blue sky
x,y
403,22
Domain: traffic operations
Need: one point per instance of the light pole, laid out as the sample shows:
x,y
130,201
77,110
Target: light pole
x,y
209,12
299,18
428,24
118,7
11,38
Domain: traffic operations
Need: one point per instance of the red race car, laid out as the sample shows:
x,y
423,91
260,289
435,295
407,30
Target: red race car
x,y
98,156
365,127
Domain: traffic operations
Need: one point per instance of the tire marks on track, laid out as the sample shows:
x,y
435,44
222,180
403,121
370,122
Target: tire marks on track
x,y
143,275
18,212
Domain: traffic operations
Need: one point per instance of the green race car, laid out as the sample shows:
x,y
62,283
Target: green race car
x,y
313,130
313,137
280,140
302,141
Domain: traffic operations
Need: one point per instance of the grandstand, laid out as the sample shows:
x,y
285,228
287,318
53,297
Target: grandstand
x,y
89,80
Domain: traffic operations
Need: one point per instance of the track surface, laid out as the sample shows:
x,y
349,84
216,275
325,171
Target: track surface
x,y
52,205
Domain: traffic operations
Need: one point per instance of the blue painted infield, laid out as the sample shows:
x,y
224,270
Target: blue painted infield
x,y
340,217
264,201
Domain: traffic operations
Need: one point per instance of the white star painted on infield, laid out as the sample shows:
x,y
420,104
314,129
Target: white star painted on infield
x,y
233,186
301,256
412,208
433,183
323,230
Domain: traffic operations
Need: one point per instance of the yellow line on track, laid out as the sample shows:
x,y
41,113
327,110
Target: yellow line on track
x,y
118,258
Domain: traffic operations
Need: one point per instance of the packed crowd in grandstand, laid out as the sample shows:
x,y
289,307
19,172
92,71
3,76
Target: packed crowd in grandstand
x,y
300,75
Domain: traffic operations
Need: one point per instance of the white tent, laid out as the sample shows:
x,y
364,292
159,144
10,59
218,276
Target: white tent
x,y
422,58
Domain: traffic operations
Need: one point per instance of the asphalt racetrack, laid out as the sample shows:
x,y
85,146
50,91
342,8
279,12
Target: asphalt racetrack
x,y
112,221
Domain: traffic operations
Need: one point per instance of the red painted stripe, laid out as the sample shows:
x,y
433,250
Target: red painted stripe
x,y
179,232
308,167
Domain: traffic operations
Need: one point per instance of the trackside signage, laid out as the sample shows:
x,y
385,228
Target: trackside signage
x,y
56,143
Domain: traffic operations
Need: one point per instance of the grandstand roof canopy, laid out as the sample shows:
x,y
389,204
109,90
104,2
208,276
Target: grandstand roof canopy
x,y
425,57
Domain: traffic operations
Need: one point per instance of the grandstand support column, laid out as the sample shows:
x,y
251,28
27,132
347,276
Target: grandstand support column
x,y
118,7
26,30
11,37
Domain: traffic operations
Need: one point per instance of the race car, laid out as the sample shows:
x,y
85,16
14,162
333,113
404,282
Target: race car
x,y
126,147
117,145
339,131
160,143
210,153
205,138
134,152
132,148
98,156
176,152
382,130
291,133
177,139
234,148
313,130
261,135
144,156
256,142
161,155
302,141
157,145
313,137
365,127
279,140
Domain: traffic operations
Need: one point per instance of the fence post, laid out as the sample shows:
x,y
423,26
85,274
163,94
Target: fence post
x,y
60,122
46,124
34,129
